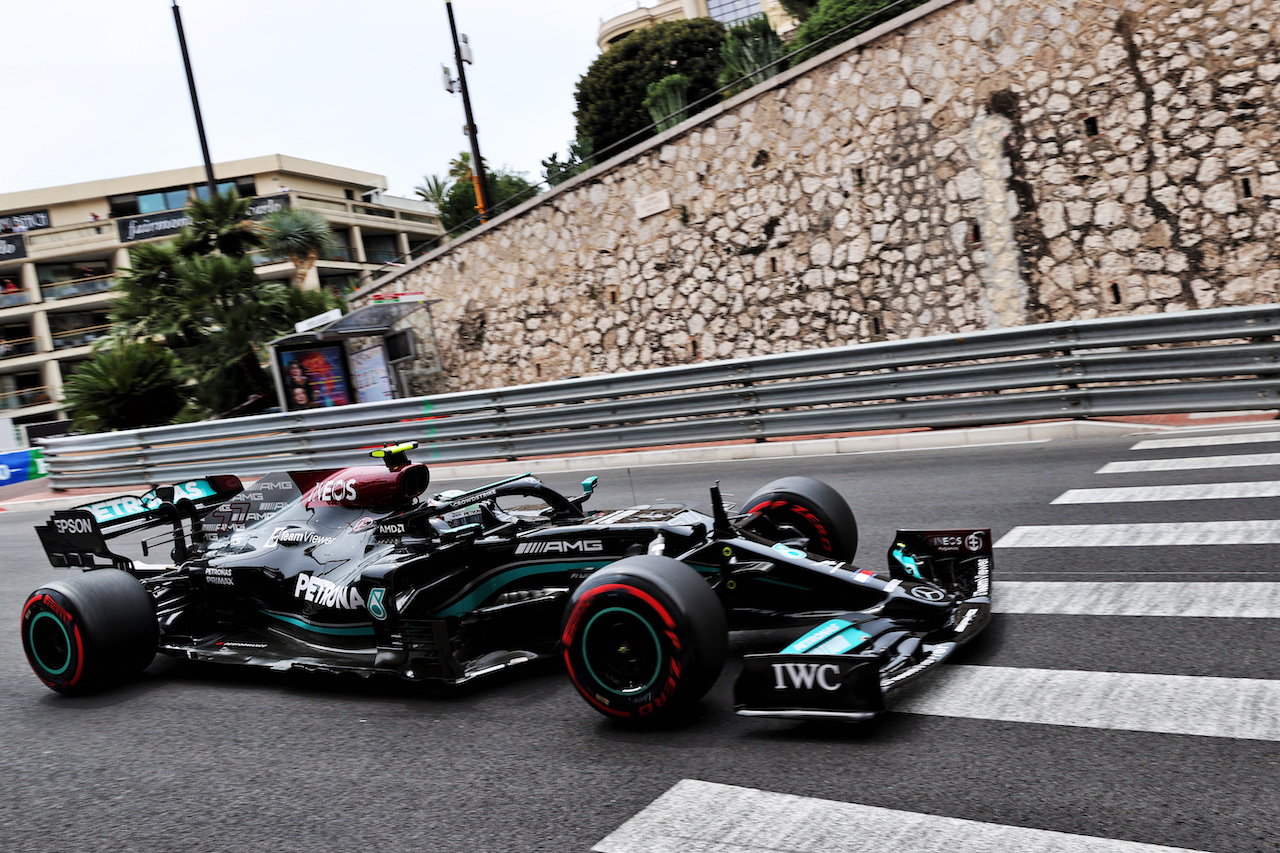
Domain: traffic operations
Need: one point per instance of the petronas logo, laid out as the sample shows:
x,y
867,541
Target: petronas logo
x,y
376,609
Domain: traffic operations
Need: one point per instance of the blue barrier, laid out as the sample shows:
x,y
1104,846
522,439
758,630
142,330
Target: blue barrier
x,y
18,466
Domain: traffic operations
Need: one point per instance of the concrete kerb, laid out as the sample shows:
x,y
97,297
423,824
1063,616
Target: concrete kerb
x,y
882,443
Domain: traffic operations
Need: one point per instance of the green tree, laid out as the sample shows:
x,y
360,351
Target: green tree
x,y
668,101
799,9
842,20
460,166
212,312
433,189
303,236
611,95
578,159
127,387
220,224
507,188
751,52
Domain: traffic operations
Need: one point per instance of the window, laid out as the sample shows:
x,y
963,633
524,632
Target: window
x,y
153,201
246,187
52,273
400,346
730,12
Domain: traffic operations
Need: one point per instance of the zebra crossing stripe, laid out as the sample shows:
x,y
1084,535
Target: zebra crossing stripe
x,y
1191,463
1185,492
706,817
1225,599
1244,708
1207,440
1265,532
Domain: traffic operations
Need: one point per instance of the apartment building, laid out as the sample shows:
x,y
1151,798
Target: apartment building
x,y
627,17
62,248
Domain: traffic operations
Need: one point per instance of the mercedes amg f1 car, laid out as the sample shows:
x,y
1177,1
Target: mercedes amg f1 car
x,y
355,570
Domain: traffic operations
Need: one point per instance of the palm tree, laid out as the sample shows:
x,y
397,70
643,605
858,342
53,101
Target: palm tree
x,y
220,224
460,167
127,387
434,189
668,101
752,53
302,236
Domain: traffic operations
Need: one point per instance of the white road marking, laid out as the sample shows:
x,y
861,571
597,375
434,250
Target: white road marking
x,y
1263,532
1221,599
706,817
1206,440
1192,463
1244,708
1184,492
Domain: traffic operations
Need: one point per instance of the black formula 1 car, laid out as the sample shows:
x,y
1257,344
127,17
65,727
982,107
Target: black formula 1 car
x,y
353,570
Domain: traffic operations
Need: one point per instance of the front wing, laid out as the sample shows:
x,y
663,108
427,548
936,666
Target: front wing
x,y
849,667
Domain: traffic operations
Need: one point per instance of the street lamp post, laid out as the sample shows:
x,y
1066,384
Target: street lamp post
x,y
477,167
195,101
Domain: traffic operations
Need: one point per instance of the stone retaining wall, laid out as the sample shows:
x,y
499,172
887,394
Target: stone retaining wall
x,y
972,165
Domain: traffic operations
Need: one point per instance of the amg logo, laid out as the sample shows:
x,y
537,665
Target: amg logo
x,y
803,676
585,546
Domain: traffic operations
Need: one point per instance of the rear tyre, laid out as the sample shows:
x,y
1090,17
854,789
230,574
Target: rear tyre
x,y
89,631
644,639
812,509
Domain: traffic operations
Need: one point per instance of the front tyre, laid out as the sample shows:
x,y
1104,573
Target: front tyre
x,y
809,509
89,631
644,639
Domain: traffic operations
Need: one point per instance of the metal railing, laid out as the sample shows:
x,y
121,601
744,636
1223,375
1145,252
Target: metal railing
x,y
77,286
69,338
24,397
1222,359
14,347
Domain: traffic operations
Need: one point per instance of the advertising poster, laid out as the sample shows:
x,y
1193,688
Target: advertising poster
x,y
369,372
315,377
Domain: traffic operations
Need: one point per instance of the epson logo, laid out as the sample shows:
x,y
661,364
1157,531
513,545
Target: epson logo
x,y
72,525
585,546
804,676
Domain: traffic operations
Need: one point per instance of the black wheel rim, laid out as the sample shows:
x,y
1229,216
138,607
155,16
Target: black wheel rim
x,y
783,513
50,644
621,651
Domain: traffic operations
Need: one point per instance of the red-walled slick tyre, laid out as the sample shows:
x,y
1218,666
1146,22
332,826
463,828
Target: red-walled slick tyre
x,y
815,510
89,631
644,639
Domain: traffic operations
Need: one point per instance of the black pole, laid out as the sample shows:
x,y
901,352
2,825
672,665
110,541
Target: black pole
x,y
477,168
195,102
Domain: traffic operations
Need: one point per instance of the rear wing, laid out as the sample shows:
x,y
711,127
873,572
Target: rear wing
x,y
77,537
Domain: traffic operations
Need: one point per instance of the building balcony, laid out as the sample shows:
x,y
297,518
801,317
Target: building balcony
x,y
76,287
14,347
79,337
24,397
13,298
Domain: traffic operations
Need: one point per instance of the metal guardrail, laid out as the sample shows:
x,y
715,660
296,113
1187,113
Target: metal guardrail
x,y
1220,359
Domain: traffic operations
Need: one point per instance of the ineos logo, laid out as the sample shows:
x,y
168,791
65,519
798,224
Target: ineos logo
x,y
973,542
927,593
72,525
803,676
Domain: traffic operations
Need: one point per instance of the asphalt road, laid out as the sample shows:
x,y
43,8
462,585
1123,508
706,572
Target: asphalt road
x,y
200,759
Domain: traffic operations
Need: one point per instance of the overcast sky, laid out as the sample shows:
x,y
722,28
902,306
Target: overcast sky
x,y
96,89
